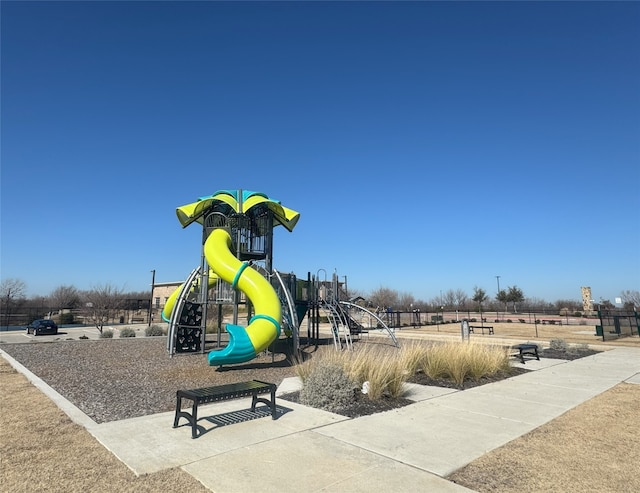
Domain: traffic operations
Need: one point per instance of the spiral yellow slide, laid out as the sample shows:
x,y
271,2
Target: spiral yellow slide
x,y
244,342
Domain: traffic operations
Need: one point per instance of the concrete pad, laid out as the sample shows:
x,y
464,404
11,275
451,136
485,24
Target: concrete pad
x,y
416,392
534,364
534,393
504,405
150,443
428,436
288,385
634,379
308,461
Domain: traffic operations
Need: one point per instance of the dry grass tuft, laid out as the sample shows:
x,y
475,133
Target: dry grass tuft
x,y
386,370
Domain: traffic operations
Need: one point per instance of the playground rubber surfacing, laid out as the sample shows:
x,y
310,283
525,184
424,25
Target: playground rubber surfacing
x,y
412,448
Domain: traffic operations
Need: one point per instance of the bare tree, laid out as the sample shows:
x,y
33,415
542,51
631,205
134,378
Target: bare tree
x,y
102,303
406,301
12,296
384,298
567,307
460,299
12,289
631,299
448,298
65,297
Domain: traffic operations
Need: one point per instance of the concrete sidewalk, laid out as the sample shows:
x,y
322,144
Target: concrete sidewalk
x,y
408,449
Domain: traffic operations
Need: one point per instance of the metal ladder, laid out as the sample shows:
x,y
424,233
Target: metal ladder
x,y
338,325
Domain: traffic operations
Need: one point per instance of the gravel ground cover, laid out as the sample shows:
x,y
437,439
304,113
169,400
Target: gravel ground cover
x,y
114,379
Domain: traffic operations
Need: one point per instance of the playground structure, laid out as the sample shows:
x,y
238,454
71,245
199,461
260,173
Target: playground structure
x,y
348,320
236,270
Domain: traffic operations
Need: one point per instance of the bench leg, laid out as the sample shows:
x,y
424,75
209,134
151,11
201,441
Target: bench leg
x,y
191,418
271,403
178,407
194,420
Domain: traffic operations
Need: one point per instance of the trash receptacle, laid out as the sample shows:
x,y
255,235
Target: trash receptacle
x,y
599,330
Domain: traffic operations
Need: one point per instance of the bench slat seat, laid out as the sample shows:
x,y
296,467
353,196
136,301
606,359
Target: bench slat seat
x,y
488,327
204,395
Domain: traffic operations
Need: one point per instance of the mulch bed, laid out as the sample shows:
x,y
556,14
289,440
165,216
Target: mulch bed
x,y
362,406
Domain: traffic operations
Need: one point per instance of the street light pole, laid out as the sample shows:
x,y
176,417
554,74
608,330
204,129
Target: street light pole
x,y
498,281
153,282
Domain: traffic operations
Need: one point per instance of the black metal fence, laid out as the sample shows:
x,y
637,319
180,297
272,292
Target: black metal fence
x,y
618,323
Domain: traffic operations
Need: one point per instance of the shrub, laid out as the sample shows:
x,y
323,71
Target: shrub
x,y
127,332
558,344
328,387
106,334
155,330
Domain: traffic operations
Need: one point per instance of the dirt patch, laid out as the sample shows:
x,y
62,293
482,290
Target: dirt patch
x,y
591,448
41,449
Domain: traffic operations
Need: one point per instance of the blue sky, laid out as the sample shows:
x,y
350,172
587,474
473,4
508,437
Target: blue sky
x,y
427,145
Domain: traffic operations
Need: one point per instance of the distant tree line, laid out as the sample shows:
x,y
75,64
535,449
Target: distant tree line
x,y
97,306
511,300
105,303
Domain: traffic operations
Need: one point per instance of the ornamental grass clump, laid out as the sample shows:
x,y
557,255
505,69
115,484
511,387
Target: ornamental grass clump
x,y
394,376
361,363
412,356
380,370
436,364
486,360
461,361
306,368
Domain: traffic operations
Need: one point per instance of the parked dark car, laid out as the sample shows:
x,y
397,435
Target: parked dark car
x,y
40,327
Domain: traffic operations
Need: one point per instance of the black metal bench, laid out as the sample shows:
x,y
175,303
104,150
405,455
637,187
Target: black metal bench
x,y
226,392
488,327
526,349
